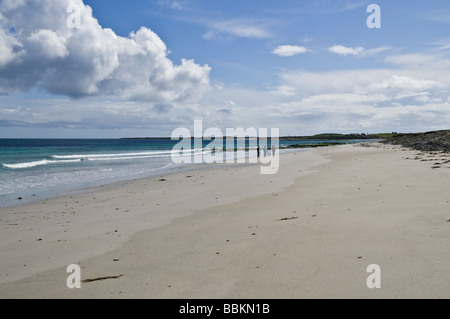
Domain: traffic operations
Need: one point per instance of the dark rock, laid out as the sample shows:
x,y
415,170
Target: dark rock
x,y
437,141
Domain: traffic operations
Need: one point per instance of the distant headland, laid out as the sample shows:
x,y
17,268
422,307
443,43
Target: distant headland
x,y
317,137
428,141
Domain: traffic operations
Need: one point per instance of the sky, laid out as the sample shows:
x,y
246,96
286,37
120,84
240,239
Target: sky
x,y
115,68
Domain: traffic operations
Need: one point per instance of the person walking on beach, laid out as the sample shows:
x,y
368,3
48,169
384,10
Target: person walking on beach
x,y
265,150
257,151
273,150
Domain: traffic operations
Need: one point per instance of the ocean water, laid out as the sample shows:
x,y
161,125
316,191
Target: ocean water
x,y
42,168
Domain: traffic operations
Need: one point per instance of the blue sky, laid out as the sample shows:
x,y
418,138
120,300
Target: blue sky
x,y
146,67
236,56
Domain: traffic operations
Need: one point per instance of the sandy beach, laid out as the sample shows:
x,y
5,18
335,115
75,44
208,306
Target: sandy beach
x,y
309,231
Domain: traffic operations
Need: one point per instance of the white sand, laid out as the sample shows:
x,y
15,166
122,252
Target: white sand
x,y
218,234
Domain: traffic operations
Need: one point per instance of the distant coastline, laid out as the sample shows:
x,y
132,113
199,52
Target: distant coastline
x,y
427,141
317,137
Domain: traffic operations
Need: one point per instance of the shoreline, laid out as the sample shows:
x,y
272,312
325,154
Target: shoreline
x,y
306,232
101,186
30,197
103,218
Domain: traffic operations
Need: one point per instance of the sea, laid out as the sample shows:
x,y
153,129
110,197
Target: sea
x,y
36,169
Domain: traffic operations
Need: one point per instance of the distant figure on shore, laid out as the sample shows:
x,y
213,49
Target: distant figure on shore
x,y
257,150
265,150
273,150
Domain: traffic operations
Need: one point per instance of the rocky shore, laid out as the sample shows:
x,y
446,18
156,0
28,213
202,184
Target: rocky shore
x,y
437,141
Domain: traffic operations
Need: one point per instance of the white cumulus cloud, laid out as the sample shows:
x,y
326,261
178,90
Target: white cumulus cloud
x,y
342,50
289,50
39,49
